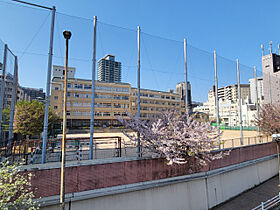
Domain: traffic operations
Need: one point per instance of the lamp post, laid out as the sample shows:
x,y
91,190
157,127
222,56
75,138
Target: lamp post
x,y
276,138
67,35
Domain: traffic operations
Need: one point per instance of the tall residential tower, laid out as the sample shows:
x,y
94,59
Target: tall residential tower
x,y
109,70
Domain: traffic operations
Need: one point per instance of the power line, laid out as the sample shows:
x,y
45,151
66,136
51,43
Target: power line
x,y
73,16
41,26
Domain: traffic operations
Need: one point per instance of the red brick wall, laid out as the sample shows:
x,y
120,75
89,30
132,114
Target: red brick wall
x,y
89,177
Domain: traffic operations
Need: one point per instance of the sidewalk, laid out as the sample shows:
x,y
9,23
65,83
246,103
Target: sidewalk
x,y
253,197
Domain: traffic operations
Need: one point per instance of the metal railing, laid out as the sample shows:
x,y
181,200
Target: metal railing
x,y
236,142
269,203
76,149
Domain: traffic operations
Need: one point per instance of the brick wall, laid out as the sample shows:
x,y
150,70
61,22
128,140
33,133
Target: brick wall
x,y
89,177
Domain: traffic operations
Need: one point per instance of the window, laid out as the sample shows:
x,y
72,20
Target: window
x,y
98,96
68,94
117,97
106,88
106,114
55,97
125,106
78,86
55,107
124,97
117,114
97,105
68,113
56,88
107,105
117,106
98,114
69,85
107,96
144,94
76,95
76,113
86,86
77,104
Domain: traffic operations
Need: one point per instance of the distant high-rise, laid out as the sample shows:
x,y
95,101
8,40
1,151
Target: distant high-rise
x,y
181,90
271,78
109,70
253,90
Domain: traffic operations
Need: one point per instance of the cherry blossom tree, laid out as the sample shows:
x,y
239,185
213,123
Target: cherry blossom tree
x,y
178,138
269,120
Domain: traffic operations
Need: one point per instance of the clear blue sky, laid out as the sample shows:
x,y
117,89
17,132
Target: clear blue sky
x,y
235,29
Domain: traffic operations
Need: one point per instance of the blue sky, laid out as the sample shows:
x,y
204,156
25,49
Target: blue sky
x,y
235,29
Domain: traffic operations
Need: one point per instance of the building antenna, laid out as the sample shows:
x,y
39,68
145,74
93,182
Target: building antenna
x,y
262,49
270,46
278,49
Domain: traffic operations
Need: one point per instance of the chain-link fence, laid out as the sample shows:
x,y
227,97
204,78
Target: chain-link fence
x,y
118,53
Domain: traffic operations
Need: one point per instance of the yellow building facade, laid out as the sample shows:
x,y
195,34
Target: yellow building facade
x,y
112,100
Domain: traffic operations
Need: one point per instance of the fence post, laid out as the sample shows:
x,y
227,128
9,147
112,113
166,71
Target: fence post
x,y
120,146
216,98
240,103
48,85
138,91
3,90
92,90
13,104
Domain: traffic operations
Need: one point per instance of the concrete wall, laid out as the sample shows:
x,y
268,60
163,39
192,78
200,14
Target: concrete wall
x,y
98,174
196,191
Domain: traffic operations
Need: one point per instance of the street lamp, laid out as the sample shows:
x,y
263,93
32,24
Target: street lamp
x,y
67,36
276,138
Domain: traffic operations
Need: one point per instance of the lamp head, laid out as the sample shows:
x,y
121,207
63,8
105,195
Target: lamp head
x,y
67,34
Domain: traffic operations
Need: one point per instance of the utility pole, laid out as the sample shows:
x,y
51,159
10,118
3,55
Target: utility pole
x,y
2,93
67,36
92,88
186,79
138,92
217,99
239,100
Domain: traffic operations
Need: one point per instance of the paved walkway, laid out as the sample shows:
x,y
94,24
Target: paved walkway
x,y
253,197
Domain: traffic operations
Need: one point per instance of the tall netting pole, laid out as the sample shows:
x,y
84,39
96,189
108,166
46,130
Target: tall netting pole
x,y
186,79
240,104
3,89
217,98
46,116
138,91
93,88
13,104
257,101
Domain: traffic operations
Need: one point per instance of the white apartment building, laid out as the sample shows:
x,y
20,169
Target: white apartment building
x,y
229,106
